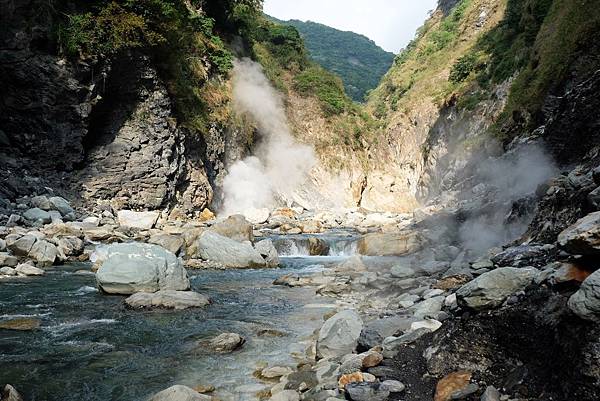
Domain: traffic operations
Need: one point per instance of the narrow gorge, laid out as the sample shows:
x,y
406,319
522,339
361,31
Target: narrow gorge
x,y
193,208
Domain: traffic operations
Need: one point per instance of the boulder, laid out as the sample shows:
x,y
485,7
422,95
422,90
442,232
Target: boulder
x,y
268,252
70,246
135,267
491,289
392,345
2,245
257,216
139,220
61,205
28,270
41,202
339,335
226,342
235,227
10,394
7,271
399,271
524,255
36,214
364,391
583,237
585,303
169,299
44,253
227,252
428,307
171,242
394,386
8,260
390,244
451,384
311,227
180,393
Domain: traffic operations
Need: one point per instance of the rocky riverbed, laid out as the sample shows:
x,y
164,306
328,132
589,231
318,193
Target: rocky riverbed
x,y
290,304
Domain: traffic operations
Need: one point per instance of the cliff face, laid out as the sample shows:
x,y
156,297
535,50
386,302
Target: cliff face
x,y
101,130
477,80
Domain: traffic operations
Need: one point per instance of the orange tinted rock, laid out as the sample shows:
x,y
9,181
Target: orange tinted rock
x,y
206,215
452,282
356,377
372,360
570,273
451,383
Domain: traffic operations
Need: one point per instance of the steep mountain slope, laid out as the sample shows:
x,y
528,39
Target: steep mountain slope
x,y
355,58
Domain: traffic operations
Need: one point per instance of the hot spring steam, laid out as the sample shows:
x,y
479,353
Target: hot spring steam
x,y
280,164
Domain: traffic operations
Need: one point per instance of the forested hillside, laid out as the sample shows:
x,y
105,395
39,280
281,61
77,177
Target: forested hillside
x,y
355,58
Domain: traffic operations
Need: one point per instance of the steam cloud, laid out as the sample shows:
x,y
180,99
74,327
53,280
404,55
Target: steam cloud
x,y
280,164
514,176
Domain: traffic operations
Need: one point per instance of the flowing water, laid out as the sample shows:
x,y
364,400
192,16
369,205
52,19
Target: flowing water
x,y
90,347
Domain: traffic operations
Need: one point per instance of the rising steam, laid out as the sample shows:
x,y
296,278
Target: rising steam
x,y
513,177
279,165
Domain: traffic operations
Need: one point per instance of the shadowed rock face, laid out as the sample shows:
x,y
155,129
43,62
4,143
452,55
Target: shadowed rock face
x,y
94,129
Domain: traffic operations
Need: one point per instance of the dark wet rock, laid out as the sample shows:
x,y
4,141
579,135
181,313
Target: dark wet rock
x,y
37,215
585,303
525,255
583,237
367,391
491,289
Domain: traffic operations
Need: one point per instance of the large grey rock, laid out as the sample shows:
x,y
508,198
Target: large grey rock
x,y
140,220
180,393
36,214
585,303
392,345
167,299
390,244
268,252
20,245
428,307
135,267
235,227
7,271
227,252
172,242
28,270
8,260
491,289
367,391
41,202
60,204
257,216
44,253
286,395
339,335
70,246
400,271
583,237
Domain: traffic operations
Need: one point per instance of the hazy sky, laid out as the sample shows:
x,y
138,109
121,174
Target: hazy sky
x,y
390,23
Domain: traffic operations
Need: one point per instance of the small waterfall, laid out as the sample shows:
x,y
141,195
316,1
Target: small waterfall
x,y
298,246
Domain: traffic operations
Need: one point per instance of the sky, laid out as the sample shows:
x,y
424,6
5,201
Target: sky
x,y
390,23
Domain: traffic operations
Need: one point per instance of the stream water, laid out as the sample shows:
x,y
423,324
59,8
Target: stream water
x,y
90,347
